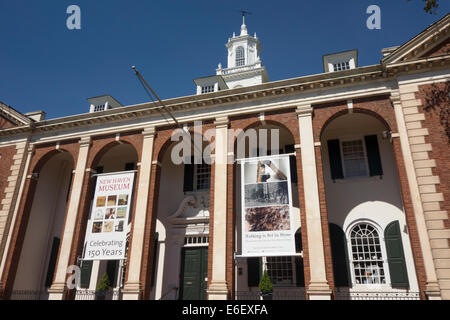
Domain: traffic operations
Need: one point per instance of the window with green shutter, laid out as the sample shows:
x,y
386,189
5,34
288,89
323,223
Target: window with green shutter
x,y
395,255
339,253
254,268
299,267
334,154
112,269
373,155
86,268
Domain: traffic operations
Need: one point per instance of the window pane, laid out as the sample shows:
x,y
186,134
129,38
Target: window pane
x,y
240,57
280,270
367,260
354,158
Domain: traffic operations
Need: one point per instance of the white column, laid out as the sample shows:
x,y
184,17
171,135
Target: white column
x,y
218,289
318,287
57,289
432,286
133,287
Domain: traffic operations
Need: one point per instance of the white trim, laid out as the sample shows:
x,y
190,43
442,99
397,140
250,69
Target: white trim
x,y
387,276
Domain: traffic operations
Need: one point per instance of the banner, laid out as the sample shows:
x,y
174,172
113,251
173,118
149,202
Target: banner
x,y
107,227
267,226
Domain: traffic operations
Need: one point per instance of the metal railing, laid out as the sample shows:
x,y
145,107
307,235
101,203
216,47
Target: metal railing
x,y
277,295
98,295
28,295
372,295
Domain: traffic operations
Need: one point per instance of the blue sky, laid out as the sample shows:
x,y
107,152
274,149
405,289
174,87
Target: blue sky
x,y
45,66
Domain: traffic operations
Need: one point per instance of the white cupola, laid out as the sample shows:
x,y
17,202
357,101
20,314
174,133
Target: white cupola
x,y
244,64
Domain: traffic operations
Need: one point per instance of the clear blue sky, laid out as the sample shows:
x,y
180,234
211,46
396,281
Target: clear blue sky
x,y
43,65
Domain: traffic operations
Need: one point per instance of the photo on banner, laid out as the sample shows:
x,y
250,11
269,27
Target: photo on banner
x,y
106,233
267,226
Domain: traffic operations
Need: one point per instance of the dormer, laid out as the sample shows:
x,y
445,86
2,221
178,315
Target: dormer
x,y
102,103
340,61
210,84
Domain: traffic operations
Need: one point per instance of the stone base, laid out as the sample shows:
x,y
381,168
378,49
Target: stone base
x,y
131,291
57,291
218,291
319,291
432,291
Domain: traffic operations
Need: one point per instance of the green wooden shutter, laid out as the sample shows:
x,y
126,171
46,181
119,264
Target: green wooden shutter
x,y
299,272
155,258
86,268
299,268
298,241
254,266
112,269
373,155
339,253
334,153
52,262
292,162
189,176
395,255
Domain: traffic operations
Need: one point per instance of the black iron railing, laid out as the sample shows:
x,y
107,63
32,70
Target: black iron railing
x,y
277,295
372,295
98,295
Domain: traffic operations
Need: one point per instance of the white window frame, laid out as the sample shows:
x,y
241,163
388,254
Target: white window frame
x,y
195,177
207,89
366,160
370,286
240,59
345,63
294,274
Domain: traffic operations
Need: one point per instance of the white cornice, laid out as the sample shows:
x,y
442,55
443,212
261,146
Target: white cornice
x,y
201,105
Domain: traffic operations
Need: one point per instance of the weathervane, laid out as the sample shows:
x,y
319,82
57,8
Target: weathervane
x,y
244,13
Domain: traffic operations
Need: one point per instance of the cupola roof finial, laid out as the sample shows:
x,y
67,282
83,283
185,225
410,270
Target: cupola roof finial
x,y
244,31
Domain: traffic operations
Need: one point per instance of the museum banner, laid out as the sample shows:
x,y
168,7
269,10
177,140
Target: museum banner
x,y
107,226
267,225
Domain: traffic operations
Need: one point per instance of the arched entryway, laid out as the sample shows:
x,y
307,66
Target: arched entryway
x,y
363,197
41,225
269,137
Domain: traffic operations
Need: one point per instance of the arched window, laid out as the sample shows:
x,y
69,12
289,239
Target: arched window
x,y
240,56
366,255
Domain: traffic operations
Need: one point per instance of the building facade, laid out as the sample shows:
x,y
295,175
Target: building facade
x,y
370,184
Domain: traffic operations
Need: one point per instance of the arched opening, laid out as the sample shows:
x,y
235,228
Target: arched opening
x,y
362,184
114,157
286,272
44,229
240,56
182,225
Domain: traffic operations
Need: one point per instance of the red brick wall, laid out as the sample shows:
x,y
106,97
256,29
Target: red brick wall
x,y
5,123
440,50
436,108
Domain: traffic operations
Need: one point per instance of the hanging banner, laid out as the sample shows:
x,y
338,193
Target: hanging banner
x,y
267,225
107,227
